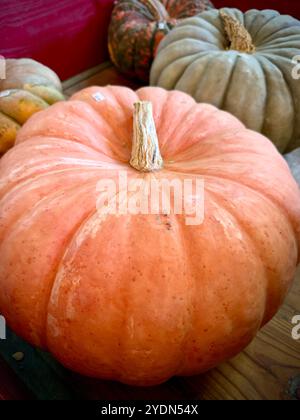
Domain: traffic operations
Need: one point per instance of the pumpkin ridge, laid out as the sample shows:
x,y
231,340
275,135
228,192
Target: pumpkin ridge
x,y
182,74
57,271
100,118
221,154
26,182
207,66
42,74
269,198
28,97
207,110
257,35
253,25
187,69
112,90
266,99
246,93
228,83
254,251
290,89
77,115
19,222
225,177
263,61
29,178
189,9
195,55
280,44
22,79
255,246
184,371
164,142
206,61
15,187
73,238
51,75
53,283
36,96
182,362
159,11
200,21
269,38
89,147
28,87
11,118
156,175
97,167
181,30
50,197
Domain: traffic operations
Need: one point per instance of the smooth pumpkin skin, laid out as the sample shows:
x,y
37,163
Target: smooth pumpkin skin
x,y
141,298
29,87
257,88
138,26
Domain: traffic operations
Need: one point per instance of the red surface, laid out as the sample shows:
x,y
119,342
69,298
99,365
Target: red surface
x,y
71,35
67,35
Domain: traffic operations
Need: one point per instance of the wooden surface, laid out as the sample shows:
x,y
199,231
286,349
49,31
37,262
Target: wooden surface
x,y
11,388
102,75
269,369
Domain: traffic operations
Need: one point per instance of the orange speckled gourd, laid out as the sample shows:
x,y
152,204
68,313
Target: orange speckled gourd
x,y
141,298
138,26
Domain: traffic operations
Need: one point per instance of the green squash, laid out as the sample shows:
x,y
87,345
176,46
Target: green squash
x,y
242,63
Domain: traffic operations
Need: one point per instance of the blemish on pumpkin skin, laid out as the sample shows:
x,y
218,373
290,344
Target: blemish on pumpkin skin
x,y
169,225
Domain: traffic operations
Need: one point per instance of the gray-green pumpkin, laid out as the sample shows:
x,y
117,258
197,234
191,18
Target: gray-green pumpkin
x,y
242,63
293,160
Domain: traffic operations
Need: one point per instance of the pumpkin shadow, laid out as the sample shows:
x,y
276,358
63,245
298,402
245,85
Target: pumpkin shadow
x,y
175,389
46,379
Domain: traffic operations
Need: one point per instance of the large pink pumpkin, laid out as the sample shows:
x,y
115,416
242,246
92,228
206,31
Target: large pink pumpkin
x,y
142,298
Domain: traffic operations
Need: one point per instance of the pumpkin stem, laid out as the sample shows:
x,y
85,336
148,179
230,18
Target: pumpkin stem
x,y
238,36
145,156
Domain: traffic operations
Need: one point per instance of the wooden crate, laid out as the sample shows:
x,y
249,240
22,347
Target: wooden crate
x,y
269,369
